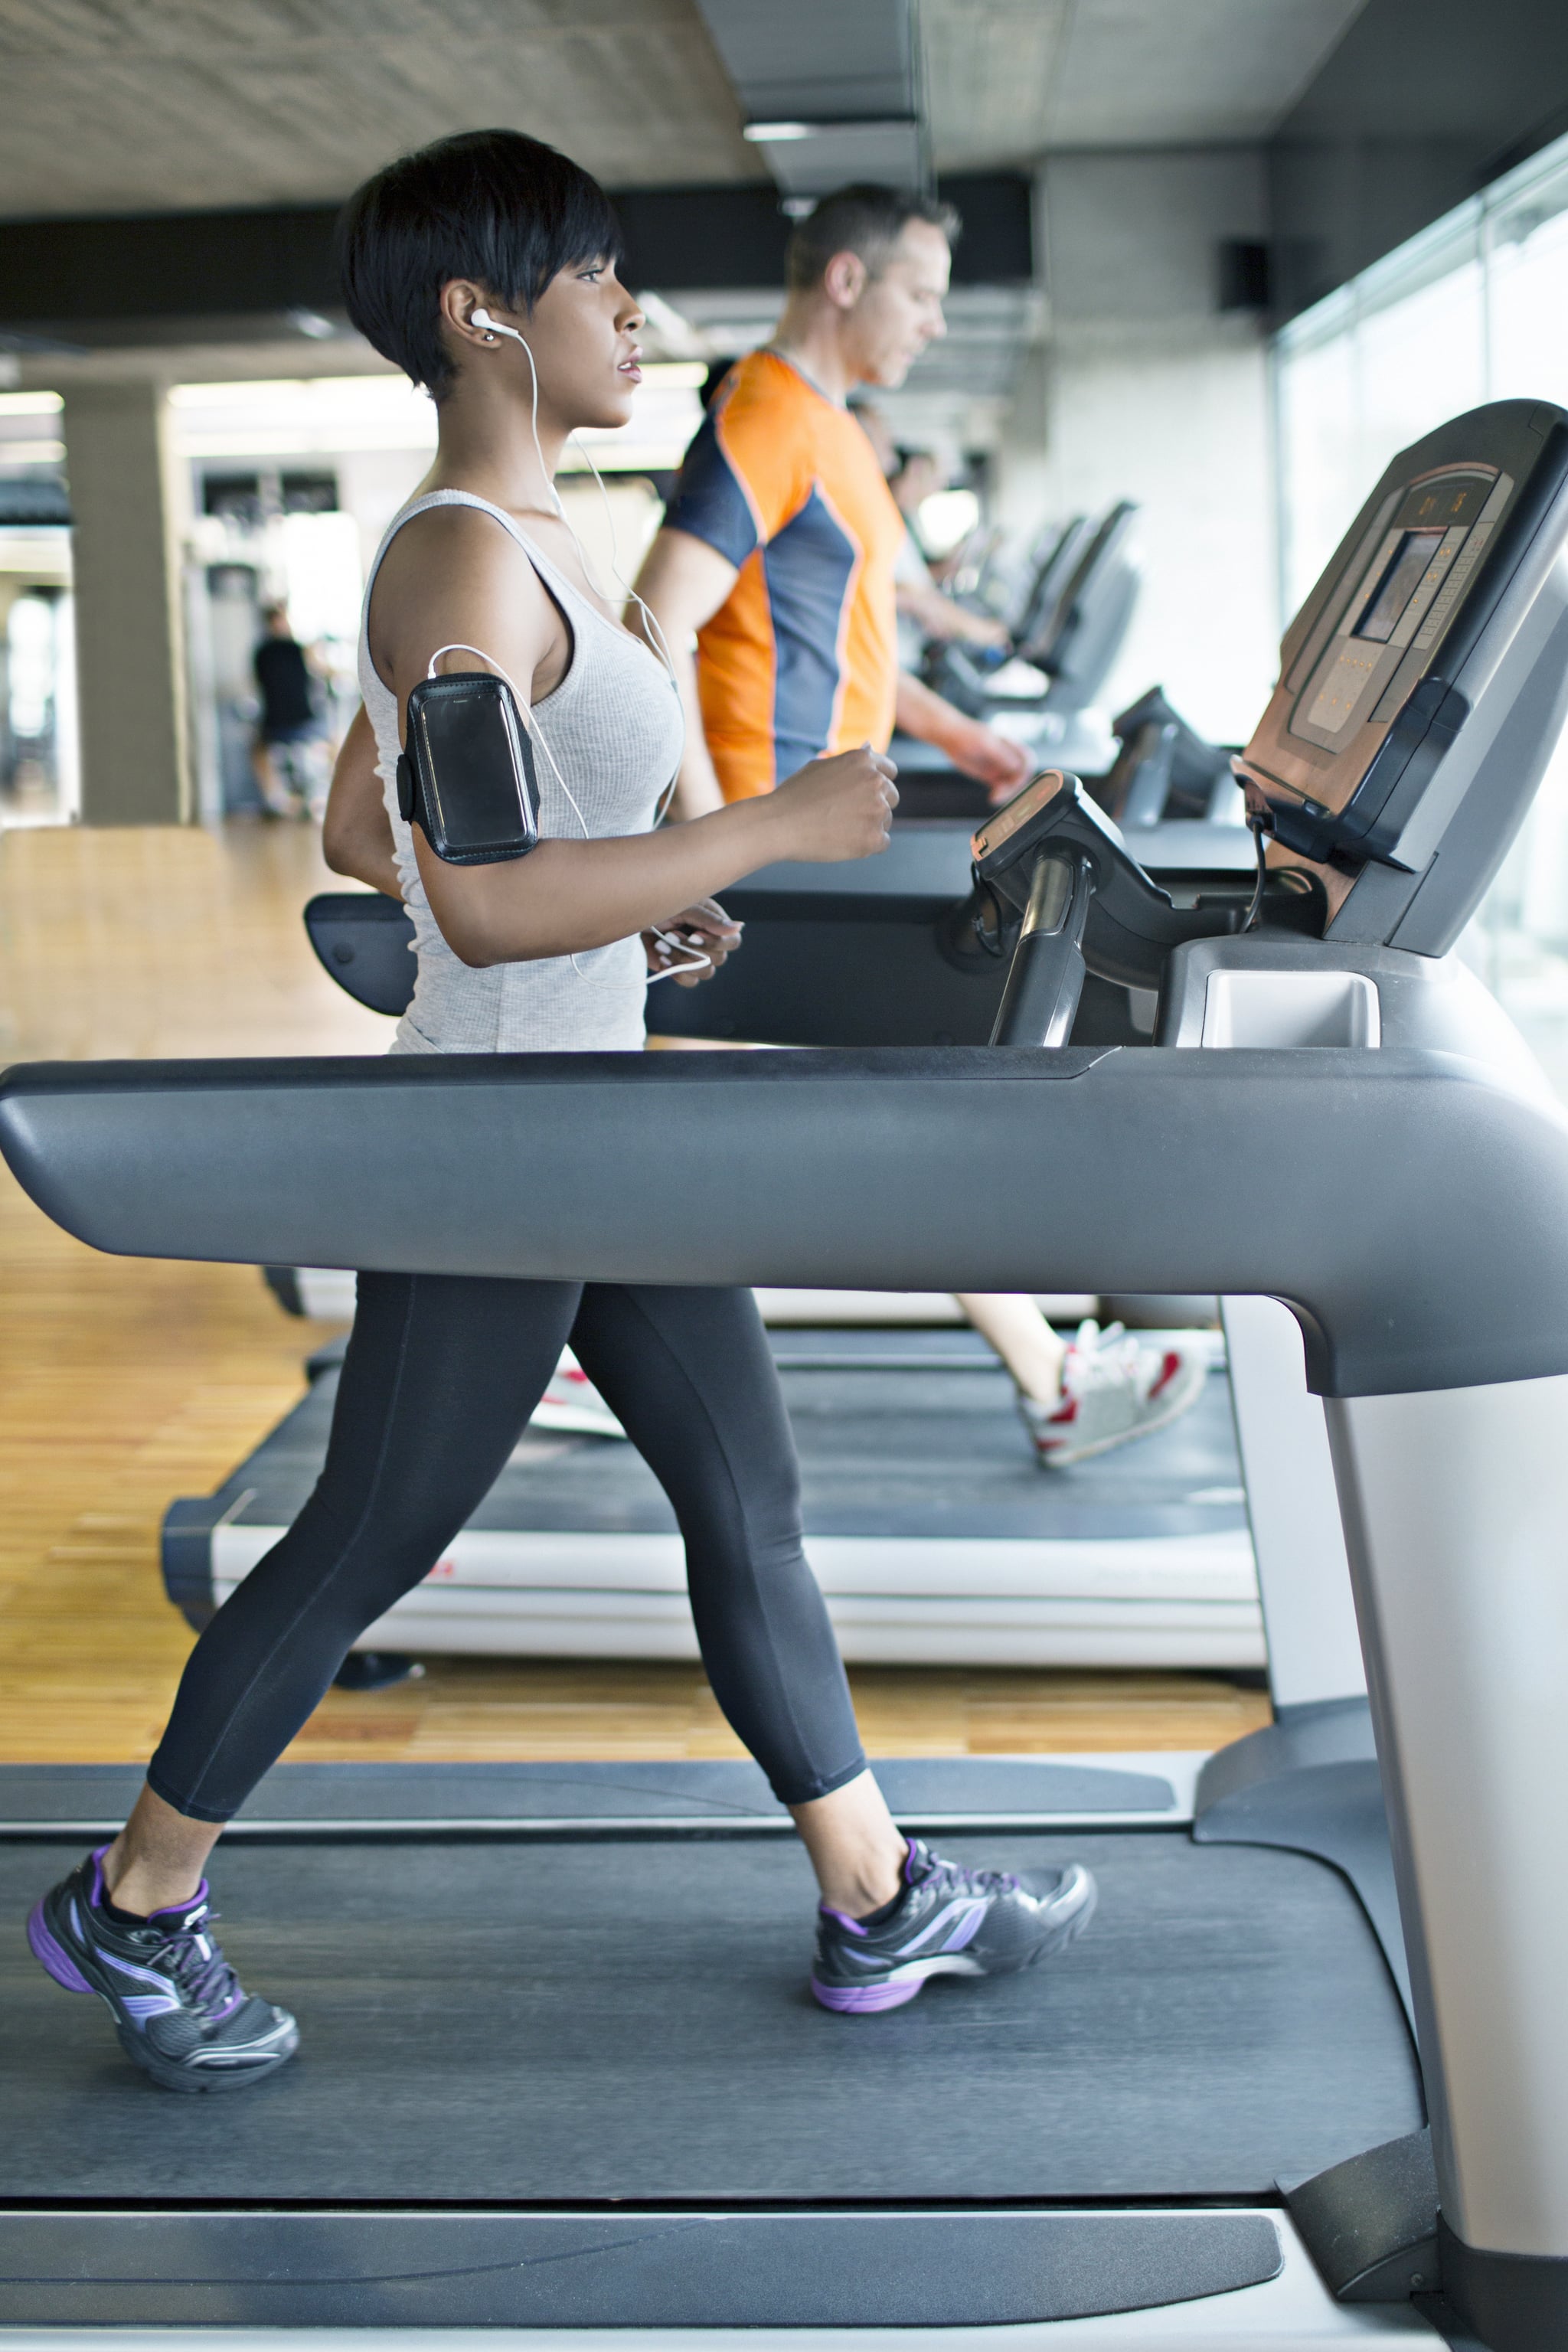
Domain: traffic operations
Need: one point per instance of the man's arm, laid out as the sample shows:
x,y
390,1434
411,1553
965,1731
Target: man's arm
x,y
683,581
1004,766
356,835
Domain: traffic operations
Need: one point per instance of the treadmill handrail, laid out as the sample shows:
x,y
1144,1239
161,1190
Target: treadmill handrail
x,y
1305,1175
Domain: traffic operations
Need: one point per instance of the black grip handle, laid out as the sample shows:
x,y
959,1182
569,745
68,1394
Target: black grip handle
x,y
1045,979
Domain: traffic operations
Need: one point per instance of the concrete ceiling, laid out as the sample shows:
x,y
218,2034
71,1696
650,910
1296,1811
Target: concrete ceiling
x,y
1007,80
128,106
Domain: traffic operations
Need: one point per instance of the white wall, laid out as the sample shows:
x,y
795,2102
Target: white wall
x,y
372,484
1144,390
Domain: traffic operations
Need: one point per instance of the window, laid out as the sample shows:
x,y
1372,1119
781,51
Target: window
x,y
1475,309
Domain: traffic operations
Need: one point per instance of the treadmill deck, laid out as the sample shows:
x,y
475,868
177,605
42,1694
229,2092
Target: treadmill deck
x,y
932,1532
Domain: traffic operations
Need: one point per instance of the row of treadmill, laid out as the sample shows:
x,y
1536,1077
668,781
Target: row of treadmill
x,y
1307,2081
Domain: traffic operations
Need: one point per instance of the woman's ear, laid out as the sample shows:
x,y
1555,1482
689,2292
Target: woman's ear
x,y
460,299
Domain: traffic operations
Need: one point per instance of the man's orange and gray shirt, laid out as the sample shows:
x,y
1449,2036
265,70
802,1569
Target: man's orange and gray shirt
x,y
801,657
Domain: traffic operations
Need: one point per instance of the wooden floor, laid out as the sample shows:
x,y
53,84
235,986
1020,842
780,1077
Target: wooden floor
x,y
124,1383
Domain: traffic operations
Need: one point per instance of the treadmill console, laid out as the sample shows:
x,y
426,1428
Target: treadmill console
x,y
1072,628
1165,771
1051,576
1082,632
1388,660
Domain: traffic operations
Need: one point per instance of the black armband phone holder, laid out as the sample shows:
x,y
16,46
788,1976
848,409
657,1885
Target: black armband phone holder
x,y
467,778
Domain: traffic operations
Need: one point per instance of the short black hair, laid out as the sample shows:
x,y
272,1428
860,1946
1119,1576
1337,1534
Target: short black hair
x,y
493,205
864,219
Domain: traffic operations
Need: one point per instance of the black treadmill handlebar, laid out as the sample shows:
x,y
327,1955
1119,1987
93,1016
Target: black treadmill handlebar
x,y
1405,1205
1132,925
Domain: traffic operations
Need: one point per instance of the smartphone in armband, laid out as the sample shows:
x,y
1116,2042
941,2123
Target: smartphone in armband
x,y
467,778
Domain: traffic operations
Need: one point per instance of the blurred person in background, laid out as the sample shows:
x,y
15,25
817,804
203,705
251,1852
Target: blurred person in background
x,y
288,757
925,614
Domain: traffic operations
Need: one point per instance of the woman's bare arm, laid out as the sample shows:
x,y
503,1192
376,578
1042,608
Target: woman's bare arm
x,y
356,835
465,584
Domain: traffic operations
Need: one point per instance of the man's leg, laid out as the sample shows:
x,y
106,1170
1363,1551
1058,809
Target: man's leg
x,y
274,799
1101,1392
1022,1338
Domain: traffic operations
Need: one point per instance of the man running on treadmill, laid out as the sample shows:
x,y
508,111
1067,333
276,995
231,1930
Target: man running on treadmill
x,y
778,555
778,551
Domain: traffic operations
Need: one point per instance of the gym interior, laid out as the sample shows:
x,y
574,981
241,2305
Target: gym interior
x,y
1227,1040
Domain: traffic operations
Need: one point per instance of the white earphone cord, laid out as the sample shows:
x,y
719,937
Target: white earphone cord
x,y
492,326
670,943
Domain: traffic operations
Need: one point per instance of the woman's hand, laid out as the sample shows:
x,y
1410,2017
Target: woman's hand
x,y
837,808
702,929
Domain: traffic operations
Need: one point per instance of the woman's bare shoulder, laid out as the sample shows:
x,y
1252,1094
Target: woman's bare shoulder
x,y
454,543
449,572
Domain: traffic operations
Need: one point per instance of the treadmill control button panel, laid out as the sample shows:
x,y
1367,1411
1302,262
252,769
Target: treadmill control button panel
x,y
1398,603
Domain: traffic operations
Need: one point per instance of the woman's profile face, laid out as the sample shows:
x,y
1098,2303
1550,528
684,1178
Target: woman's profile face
x,y
582,331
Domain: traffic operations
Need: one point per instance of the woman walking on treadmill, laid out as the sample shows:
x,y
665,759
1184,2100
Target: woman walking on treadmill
x,y
485,266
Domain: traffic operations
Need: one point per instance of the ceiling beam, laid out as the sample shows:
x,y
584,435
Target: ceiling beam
x,y
839,86
88,283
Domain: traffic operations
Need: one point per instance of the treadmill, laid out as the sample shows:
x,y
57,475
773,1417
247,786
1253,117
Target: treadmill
x,y
936,1538
1070,634
935,1535
1072,627
1307,2081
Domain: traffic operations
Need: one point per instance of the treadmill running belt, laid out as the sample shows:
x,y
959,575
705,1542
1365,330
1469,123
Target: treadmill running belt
x,y
933,1449
562,2021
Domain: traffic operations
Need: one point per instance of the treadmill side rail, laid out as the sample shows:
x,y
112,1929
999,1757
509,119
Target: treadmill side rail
x,y
1303,1175
697,2269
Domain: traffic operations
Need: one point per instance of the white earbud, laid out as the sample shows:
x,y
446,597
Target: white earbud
x,y
493,327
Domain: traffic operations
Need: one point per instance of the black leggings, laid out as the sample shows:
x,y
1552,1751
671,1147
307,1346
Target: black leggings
x,y
441,1375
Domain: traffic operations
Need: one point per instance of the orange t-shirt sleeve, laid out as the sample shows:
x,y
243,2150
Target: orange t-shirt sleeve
x,y
748,468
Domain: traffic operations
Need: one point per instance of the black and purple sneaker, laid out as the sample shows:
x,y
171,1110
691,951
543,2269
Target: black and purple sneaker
x,y
178,2007
948,1922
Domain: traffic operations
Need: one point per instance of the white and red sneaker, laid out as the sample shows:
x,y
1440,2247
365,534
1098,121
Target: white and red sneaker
x,y
1114,1389
572,1402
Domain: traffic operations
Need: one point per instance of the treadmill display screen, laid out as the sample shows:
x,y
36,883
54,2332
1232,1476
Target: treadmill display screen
x,y
1019,812
1406,569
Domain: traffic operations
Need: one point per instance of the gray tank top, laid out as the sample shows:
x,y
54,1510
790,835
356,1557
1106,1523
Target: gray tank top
x,y
613,726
